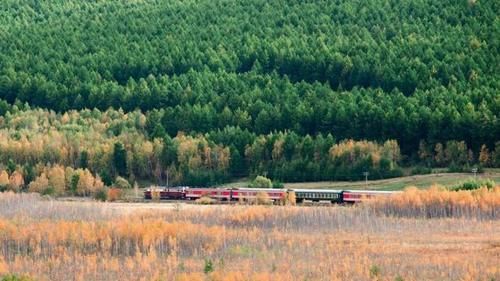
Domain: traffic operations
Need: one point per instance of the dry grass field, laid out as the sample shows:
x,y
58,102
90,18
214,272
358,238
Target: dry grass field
x,y
405,240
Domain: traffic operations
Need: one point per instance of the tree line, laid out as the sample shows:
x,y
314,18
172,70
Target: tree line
x,y
80,152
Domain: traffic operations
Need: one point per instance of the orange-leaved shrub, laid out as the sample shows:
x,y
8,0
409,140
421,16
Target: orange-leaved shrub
x,y
114,194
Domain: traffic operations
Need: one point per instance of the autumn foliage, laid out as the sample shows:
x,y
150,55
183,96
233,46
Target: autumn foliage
x,y
114,194
54,180
109,144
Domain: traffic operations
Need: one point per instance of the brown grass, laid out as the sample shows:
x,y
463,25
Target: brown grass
x,y
93,241
438,202
205,200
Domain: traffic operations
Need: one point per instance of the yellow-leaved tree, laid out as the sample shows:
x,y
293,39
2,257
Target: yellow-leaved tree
x,y
4,180
57,179
98,184
40,184
484,156
68,175
16,181
85,183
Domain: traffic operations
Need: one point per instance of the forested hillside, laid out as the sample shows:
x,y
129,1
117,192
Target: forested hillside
x,y
276,87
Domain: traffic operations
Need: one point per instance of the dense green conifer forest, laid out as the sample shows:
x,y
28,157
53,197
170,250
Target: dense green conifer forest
x,y
296,90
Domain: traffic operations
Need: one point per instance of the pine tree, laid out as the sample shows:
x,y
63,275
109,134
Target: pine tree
x,y
84,159
120,159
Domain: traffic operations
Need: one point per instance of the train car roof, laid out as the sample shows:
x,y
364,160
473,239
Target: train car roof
x,y
372,191
260,189
316,190
166,187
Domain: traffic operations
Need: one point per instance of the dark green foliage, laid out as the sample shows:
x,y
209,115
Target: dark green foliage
x,y
101,195
28,173
11,166
421,170
380,70
169,152
454,168
496,155
4,107
202,177
278,184
472,184
74,183
49,191
209,266
106,178
84,159
120,159
237,164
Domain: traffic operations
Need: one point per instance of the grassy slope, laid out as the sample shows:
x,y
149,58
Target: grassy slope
x,y
421,181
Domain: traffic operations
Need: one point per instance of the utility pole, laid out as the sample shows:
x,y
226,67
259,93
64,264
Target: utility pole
x,y
366,178
474,170
167,181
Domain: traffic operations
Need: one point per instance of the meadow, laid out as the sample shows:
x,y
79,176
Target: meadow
x,y
398,183
52,240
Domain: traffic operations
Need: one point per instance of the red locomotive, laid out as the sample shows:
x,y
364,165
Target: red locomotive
x,y
164,193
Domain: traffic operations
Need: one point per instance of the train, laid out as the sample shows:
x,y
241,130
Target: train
x,y
271,194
